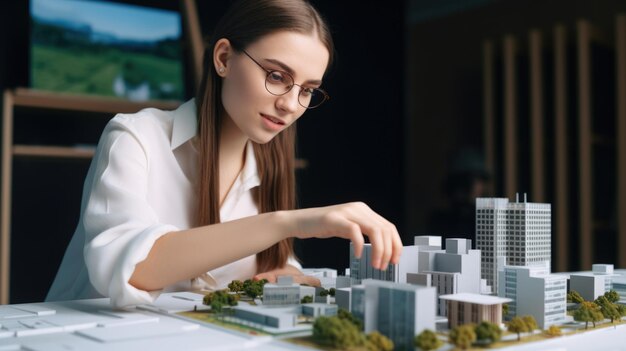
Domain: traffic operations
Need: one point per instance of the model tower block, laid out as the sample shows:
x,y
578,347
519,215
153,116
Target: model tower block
x,y
515,234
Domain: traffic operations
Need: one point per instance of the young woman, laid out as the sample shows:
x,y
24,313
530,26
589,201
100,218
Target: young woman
x,y
200,196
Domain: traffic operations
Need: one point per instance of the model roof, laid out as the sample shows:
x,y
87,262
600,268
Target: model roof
x,y
476,298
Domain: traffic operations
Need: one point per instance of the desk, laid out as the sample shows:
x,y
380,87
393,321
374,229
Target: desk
x,y
94,325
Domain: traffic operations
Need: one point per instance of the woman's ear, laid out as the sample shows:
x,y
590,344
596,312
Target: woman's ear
x,y
222,52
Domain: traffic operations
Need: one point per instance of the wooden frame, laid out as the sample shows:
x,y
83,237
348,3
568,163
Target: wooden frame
x,y
5,202
585,164
190,16
510,116
537,149
561,215
489,118
620,62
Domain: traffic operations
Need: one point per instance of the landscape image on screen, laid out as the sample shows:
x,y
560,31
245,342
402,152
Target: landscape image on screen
x,y
106,48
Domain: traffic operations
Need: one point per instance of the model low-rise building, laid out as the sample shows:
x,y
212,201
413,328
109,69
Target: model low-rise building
x,y
284,292
536,292
467,308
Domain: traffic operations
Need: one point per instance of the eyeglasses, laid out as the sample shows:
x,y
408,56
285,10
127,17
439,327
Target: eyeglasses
x,y
280,83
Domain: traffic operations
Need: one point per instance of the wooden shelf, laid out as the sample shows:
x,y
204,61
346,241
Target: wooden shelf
x,y
53,151
23,97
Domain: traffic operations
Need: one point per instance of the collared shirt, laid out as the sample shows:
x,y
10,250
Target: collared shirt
x,y
141,185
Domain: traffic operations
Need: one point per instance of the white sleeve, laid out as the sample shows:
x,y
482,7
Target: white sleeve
x,y
292,261
120,225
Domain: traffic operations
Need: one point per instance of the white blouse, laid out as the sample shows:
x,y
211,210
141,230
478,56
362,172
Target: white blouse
x,y
140,186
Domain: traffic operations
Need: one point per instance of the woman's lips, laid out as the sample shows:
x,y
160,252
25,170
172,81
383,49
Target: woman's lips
x,y
272,123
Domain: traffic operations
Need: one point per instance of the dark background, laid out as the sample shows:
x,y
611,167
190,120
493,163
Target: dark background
x,y
406,93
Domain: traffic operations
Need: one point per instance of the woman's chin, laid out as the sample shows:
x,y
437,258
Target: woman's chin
x,y
262,139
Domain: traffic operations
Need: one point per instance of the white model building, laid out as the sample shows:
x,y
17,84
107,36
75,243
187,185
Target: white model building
x,y
592,284
342,298
398,311
536,292
409,261
319,309
589,286
306,290
343,281
281,318
362,268
519,232
454,271
619,285
284,292
467,308
321,299
428,242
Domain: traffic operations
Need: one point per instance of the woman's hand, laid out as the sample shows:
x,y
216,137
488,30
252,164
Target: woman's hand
x,y
351,221
298,276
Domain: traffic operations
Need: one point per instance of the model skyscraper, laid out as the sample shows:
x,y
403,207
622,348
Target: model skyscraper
x,y
515,234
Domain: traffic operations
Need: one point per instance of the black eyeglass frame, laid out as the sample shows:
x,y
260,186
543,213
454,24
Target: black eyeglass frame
x,y
293,83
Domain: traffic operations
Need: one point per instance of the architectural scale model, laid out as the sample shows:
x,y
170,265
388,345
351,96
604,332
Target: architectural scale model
x,y
446,288
466,295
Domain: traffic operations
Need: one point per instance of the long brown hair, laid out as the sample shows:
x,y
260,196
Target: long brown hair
x,y
244,23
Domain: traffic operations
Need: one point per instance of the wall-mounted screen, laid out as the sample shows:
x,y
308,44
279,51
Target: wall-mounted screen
x,y
106,48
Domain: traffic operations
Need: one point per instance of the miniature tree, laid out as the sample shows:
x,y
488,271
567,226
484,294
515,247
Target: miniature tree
x,y
332,292
206,300
612,296
378,342
216,306
307,299
236,286
622,310
574,296
220,298
323,293
345,314
554,330
517,325
254,288
428,340
607,308
588,312
233,300
462,336
246,285
505,309
487,332
531,323
336,332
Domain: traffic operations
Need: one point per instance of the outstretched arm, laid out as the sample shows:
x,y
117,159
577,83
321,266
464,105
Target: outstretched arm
x,y
188,253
